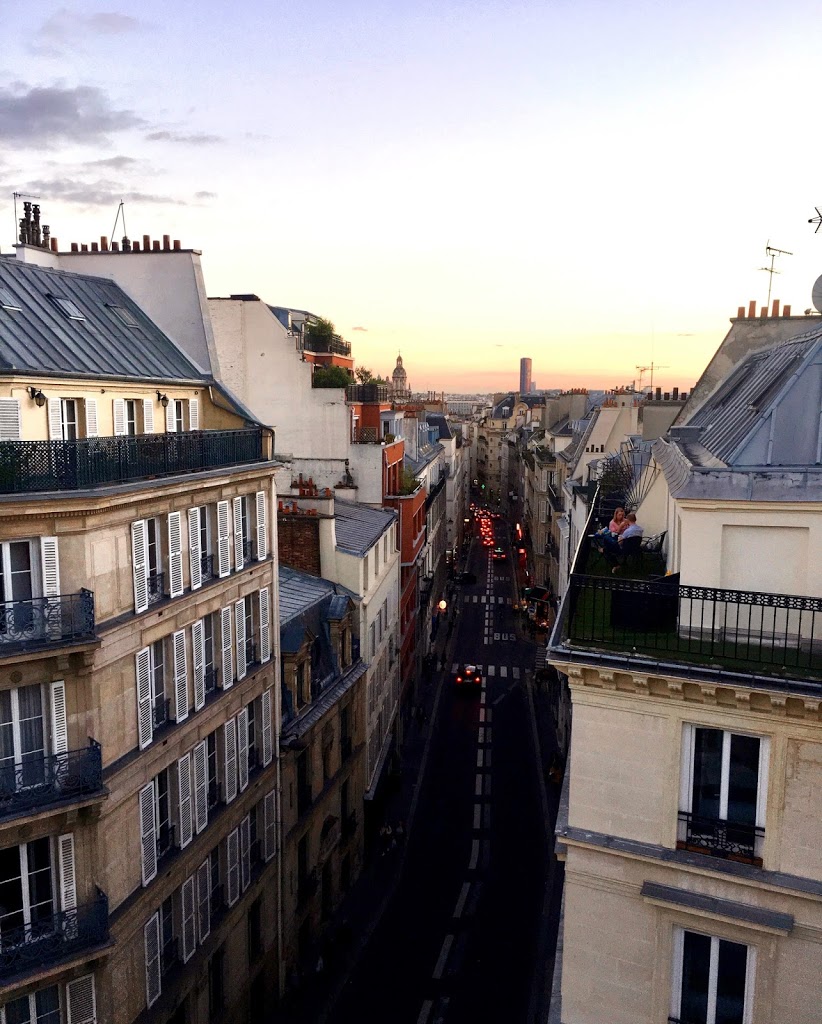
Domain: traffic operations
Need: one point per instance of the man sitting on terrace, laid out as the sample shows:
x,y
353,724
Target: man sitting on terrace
x,y
630,539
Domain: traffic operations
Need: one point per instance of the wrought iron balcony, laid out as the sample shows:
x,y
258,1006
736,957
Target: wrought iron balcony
x,y
165,839
248,552
365,435
39,781
156,587
213,793
207,568
331,345
32,466
46,621
370,392
727,839
210,678
162,706
53,937
250,653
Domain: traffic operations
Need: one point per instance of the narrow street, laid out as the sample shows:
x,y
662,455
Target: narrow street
x,y
458,940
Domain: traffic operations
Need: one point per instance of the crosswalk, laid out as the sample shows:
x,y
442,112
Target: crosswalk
x,y
492,671
485,599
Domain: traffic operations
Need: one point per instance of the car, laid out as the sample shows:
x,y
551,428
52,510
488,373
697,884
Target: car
x,y
488,543
499,555
466,577
468,676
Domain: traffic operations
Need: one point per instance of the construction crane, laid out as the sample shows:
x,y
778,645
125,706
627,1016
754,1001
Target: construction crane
x,y
651,367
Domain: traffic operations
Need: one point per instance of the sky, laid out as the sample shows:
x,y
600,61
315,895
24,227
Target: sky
x,y
591,184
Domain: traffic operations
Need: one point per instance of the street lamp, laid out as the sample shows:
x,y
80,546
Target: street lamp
x,y
442,605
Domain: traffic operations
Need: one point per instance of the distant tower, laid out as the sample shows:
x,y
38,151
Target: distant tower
x,y
524,376
400,391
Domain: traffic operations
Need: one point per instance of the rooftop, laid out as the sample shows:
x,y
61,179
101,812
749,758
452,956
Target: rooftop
x,y
300,592
359,527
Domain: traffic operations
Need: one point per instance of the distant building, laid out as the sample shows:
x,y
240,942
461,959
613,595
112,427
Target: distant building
x,y
400,389
524,376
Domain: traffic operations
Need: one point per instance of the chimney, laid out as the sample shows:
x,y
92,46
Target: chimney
x,y
95,247
176,244
115,246
146,243
741,313
166,243
659,394
786,310
763,312
752,308
55,249
135,247
775,311
83,247
675,394
103,243
126,243
75,247
155,245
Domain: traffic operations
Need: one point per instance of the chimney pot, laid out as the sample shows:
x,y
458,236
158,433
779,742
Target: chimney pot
x,y
176,244
103,243
54,246
83,247
684,396
675,394
115,246
775,308
126,243
763,312
75,247
146,243
741,312
786,310
155,245
166,242
752,308
95,247
667,396
659,394
135,247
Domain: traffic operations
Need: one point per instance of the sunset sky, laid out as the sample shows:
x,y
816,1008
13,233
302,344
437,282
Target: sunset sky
x,y
591,184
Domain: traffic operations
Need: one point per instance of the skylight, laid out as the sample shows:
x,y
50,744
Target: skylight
x,y
124,315
70,308
7,300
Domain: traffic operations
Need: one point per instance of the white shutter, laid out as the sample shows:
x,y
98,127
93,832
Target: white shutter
x,y
171,423
230,760
266,706
55,419
232,846
148,416
245,852
180,677
175,554
50,566
119,416
145,711
204,900
269,825
148,833
68,885
195,563
223,550
59,724
265,627
189,919
199,759
92,424
139,563
228,654
184,800
239,637
81,1001
151,938
262,527
10,428
242,748
238,534
193,414
198,663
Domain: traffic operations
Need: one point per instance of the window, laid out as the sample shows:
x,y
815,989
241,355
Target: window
x,y
250,643
252,734
300,679
712,980
68,419
17,580
41,1007
154,557
26,889
162,813
168,943
22,738
158,684
70,308
208,654
7,301
723,793
124,316
211,770
216,990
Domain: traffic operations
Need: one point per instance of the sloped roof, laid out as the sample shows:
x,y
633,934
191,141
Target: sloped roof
x,y
436,419
359,527
426,455
40,337
299,592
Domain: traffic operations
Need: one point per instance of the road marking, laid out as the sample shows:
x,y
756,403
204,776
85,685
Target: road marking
x,y
480,756
488,717
502,696
458,909
482,714
486,817
487,731
478,785
516,672
487,758
475,849
488,784
475,598
492,670
500,600
485,640
446,949
481,737
425,1012
484,598
477,823
503,671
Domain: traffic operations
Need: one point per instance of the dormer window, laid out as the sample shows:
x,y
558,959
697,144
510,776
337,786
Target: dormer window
x,y
70,308
7,301
124,316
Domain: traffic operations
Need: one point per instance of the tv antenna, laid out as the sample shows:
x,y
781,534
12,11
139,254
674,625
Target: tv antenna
x,y
651,366
16,196
121,212
817,220
773,253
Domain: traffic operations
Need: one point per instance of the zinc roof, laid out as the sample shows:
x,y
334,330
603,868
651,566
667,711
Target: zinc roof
x,y
359,527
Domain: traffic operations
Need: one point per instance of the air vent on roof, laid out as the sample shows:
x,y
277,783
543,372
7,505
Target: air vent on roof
x,y
7,300
71,309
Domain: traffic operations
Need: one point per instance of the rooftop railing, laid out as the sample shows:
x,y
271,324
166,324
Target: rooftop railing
x,y
367,393
37,781
46,621
326,346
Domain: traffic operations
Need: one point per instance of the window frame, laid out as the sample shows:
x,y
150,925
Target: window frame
x,y
677,974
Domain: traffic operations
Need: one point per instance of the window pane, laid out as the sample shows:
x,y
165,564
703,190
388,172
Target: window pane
x,y
40,896
6,734
730,984
18,1011
707,772
11,894
47,1003
20,561
696,959
742,784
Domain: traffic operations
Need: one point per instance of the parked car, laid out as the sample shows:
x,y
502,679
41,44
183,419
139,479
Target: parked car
x,y
468,676
499,555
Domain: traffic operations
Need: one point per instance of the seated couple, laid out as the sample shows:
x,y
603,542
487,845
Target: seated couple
x,y
621,529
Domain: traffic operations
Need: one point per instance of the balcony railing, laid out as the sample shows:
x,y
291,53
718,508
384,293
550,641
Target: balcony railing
x,y
367,393
326,346
727,839
31,466
162,706
365,435
38,781
165,839
207,568
53,937
156,587
210,678
45,621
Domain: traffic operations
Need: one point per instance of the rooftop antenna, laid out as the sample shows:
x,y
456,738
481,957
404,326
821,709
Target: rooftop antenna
x,y
20,195
121,210
652,366
817,220
773,253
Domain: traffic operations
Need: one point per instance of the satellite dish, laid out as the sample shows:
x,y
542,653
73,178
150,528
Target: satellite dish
x,y
816,294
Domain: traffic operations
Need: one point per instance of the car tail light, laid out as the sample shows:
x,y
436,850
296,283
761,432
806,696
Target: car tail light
x,y
459,679
477,679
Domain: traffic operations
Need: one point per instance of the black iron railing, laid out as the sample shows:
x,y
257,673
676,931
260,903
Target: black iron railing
x,y
210,680
727,839
38,621
165,839
53,937
248,552
250,653
169,955
213,793
326,346
162,706
46,779
367,392
744,631
365,435
207,568
155,583
30,466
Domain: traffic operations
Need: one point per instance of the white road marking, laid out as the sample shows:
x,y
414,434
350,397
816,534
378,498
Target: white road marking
x,y
487,731
482,714
481,736
425,1012
488,717
516,672
463,897
475,599
500,600
503,671
484,598
480,756
478,785
477,821
475,849
446,949
492,670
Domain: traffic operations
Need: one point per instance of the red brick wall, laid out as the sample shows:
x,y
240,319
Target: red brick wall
x,y
298,538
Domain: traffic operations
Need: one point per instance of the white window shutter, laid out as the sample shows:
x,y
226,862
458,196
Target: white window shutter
x,y
145,710
269,825
175,554
245,852
151,938
184,800
230,751
242,748
10,427
50,565
204,900
139,563
198,663
239,637
189,919
68,883
81,1001
148,833
262,527
238,534
92,421
148,416
195,563
171,423
180,676
265,627
227,653
199,760
266,706
55,419
233,867
119,416
59,722
193,414
223,550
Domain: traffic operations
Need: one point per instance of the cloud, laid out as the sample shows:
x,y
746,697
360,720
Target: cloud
x,y
205,195
685,334
187,139
365,329
69,29
116,163
95,193
45,115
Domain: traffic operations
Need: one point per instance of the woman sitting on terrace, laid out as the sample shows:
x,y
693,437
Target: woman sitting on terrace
x,y
607,539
